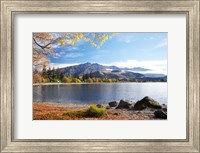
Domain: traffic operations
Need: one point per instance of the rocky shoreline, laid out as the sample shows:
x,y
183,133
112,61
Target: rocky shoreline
x,y
144,105
144,109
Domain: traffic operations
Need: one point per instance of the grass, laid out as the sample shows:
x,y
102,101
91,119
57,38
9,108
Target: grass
x,y
92,111
55,111
51,112
56,115
74,113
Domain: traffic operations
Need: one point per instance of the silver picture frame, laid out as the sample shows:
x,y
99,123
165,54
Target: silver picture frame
x,y
11,7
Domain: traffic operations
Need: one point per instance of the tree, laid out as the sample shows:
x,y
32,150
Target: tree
x,y
66,80
59,74
86,76
75,80
37,78
44,43
53,74
50,74
90,80
44,72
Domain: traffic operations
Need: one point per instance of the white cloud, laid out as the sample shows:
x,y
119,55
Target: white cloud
x,y
152,38
72,48
155,66
156,70
58,65
62,53
136,63
162,43
56,55
126,38
56,45
73,55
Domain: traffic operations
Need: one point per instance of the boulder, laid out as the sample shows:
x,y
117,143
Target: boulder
x,y
108,107
113,104
123,105
99,106
132,106
116,114
147,102
160,114
164,109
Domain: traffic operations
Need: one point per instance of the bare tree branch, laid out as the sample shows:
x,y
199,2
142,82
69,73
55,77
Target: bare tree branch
x,y
43,47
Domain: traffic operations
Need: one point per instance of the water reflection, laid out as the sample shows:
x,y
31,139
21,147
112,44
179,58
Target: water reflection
x,y
99,93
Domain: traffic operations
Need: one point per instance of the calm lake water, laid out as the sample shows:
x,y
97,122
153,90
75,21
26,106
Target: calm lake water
x,y
99,93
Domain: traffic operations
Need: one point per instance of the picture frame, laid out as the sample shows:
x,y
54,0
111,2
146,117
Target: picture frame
x,y
10,8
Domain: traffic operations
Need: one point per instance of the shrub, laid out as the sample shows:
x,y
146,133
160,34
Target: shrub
x,y
90,80
66,80
94,111
75,80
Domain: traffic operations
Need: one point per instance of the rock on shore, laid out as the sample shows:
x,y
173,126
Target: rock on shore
x,y
113,104
144,109
147,102
160,114
123,104
145,105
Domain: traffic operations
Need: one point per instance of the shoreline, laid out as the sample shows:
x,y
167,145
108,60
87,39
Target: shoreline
x,y
64,104
38,84
55,111
85,104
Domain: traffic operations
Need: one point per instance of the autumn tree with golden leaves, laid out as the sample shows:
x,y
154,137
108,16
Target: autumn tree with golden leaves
x,y
44,43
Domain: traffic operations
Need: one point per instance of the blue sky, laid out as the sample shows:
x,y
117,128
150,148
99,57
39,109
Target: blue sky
x,y
148,50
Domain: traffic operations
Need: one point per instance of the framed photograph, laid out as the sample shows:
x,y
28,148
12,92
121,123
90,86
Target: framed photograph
x,y
100,76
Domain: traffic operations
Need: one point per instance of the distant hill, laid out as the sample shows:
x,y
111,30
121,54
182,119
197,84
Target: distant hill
x,y
82,69
101,71
153,75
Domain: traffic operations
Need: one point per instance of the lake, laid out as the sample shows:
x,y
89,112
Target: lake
x,y
99,93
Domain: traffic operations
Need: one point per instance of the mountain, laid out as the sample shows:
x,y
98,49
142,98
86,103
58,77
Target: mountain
x,y
153,75
101,71
82,69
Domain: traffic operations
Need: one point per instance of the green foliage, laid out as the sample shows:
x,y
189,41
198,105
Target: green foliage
x,y
90,80
66,80
76,80
94,111
55,76
44,72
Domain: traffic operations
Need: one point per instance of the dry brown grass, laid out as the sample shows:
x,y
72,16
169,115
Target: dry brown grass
x,y
57,111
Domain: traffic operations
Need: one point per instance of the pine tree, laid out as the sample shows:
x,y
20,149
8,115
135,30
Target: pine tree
x,y
44,72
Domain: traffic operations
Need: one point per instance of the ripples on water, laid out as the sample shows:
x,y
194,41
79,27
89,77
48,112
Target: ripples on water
x,y
99,93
